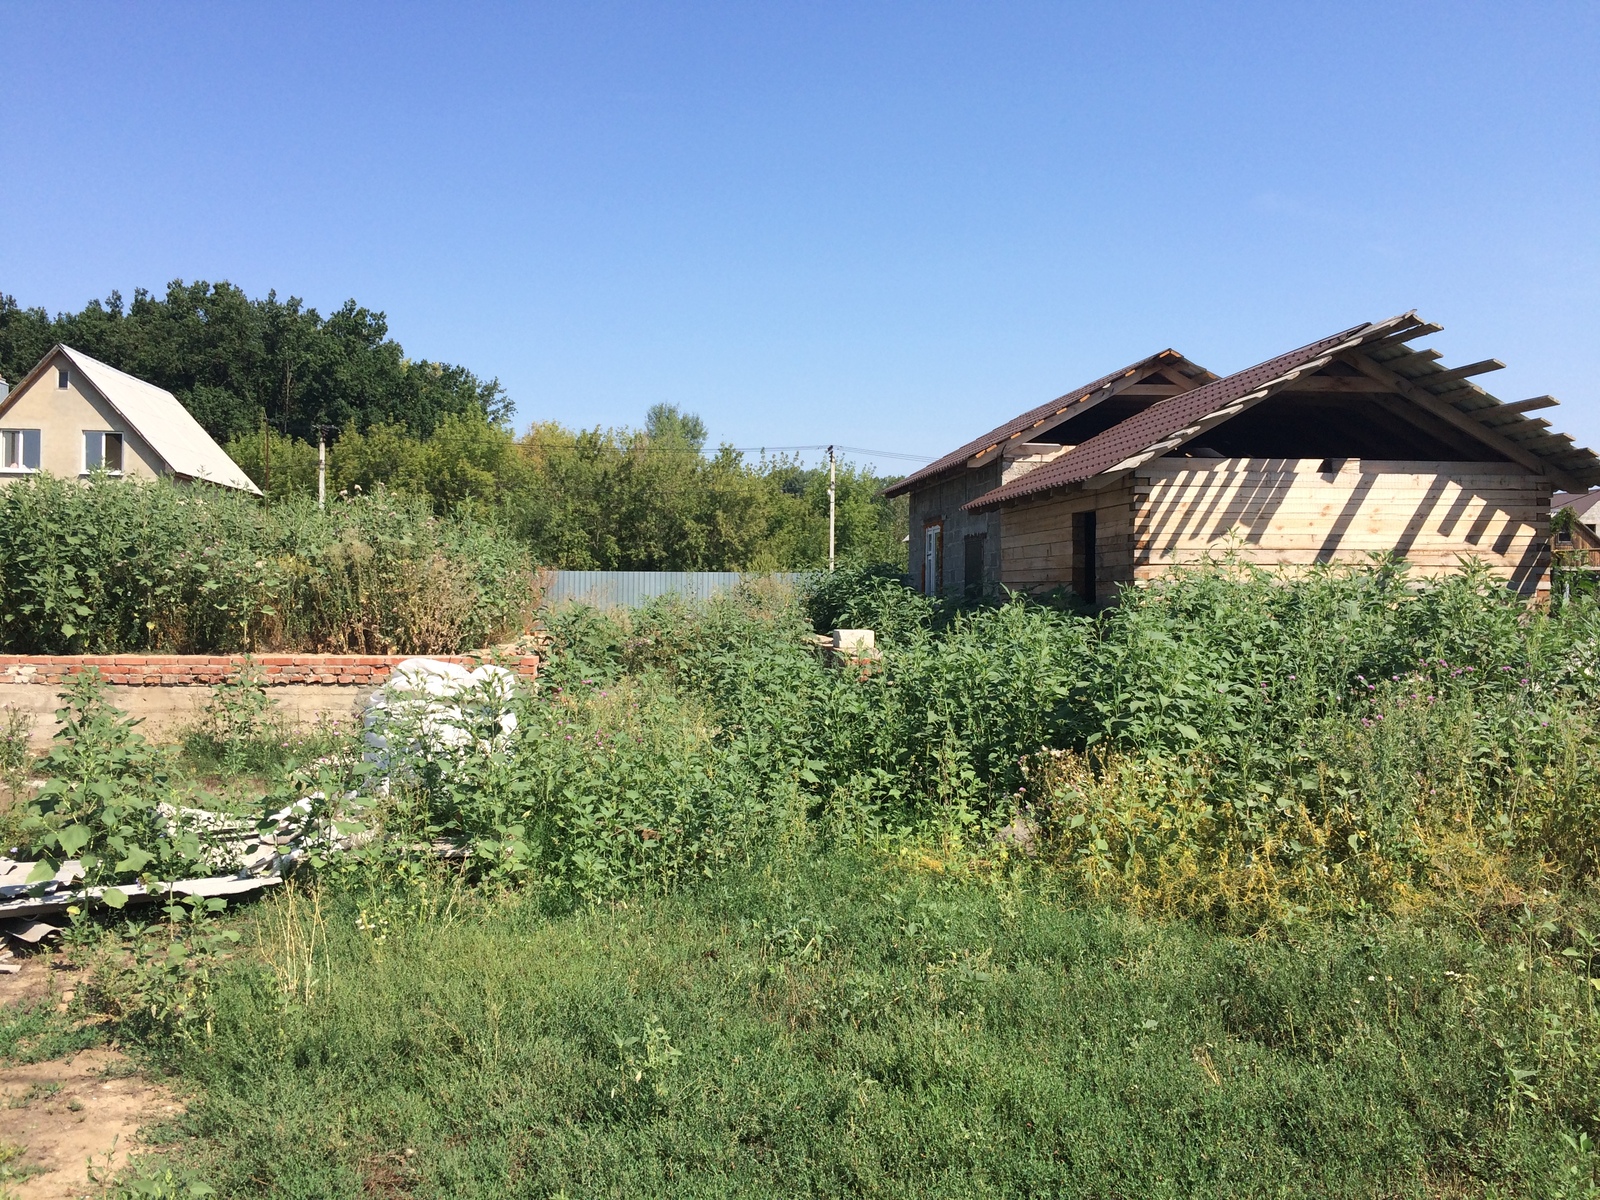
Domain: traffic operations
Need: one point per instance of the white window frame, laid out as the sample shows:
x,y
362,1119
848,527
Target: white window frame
x,y
18,438
932,558
102,434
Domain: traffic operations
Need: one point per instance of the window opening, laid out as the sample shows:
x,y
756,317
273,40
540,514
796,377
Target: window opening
x,y
932,559
63,377
1083,556
102,451
972,548
19,449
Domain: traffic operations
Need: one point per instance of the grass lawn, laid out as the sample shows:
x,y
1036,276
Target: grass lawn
x,y
860,1026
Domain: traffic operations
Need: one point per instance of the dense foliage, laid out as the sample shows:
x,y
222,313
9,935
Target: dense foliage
x,y
119,565
264,375
1229,742
724,914
234,361
640,500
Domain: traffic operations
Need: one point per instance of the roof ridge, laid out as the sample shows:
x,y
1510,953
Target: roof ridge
x,y
1172,419
1031,418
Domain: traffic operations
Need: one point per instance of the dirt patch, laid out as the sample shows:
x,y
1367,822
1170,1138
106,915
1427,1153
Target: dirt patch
x,y
73,1116
37,978
61,1120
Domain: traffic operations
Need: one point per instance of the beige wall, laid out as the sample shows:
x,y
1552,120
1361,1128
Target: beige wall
x,y
62,417
1286,511
168,711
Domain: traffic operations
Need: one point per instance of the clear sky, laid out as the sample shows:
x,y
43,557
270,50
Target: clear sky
x,y
886,225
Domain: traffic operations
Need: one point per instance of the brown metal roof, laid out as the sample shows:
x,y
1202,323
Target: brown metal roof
x,y
1165,426
1035,417
1581,503
1142,433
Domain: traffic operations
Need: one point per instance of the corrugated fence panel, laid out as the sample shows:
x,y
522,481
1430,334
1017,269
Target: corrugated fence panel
x,y
629,589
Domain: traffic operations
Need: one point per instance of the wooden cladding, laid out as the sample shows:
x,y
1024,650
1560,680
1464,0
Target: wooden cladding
x,y
1173,511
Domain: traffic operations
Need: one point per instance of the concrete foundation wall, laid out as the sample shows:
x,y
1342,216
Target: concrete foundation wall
x,y
169,692
167,711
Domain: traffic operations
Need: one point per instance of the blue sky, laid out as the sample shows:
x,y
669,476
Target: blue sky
x,y
883,225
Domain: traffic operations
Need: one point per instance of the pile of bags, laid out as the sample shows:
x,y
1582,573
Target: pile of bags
x,y
431,710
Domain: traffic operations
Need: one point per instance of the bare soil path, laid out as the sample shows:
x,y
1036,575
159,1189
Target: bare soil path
x,y
62,1120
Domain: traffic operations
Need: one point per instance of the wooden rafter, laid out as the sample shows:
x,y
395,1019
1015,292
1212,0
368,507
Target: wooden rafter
x,y
1529,405
1406,335
1121,386
1335,383
1430,403
1477,368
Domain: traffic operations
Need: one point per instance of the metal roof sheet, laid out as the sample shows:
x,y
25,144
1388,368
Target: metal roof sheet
x,y
163,423
1582,503
1165,426
1035,417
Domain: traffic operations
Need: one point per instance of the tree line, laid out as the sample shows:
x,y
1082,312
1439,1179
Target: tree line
x,y
263,375
237,363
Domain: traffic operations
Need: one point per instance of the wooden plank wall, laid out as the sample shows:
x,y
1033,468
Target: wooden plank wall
x,y
1036,539
1285,511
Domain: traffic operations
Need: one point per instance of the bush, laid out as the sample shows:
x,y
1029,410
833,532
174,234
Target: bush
x,y
123,565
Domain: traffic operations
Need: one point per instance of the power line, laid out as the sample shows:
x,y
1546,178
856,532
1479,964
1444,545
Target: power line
x,y
852,449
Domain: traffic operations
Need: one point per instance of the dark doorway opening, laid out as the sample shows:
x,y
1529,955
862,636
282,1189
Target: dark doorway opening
x,y
972,548
1083,556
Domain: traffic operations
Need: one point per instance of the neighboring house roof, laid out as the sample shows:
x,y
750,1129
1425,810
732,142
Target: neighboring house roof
x,y
160,420
1038,418
1383,355
1581,503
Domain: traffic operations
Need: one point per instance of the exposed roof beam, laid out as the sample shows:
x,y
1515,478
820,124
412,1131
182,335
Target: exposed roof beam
x,y
1334,383
1477,368
1153,389
1120,386
1528,405
1407,335
1428,402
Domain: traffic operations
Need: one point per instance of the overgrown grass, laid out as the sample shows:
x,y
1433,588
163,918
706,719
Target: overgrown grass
x,y
1256,885
855,1025
123,565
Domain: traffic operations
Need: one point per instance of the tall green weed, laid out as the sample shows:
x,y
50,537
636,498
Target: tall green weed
x,y
123,565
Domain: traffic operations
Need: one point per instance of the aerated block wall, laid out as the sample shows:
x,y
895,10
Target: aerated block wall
x,y
169,691
187,670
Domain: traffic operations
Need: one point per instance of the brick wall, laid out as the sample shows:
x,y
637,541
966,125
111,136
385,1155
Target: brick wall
x,y
191,670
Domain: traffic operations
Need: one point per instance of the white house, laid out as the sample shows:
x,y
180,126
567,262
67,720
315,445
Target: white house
x,y
73,415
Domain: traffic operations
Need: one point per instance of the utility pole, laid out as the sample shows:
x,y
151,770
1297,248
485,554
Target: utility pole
x,y
833,479
322,465
266,458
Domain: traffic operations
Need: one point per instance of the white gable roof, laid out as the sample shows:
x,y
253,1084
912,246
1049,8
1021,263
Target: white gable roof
x,y
164,424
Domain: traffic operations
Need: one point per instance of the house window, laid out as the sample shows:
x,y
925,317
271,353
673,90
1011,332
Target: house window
x,y
62,377
102,452
932,558
19,449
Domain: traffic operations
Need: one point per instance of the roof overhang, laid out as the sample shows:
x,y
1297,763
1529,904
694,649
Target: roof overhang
x,y
1178,373
1377,350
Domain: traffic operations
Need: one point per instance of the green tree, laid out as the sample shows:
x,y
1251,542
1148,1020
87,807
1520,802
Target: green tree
x,y
233,360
